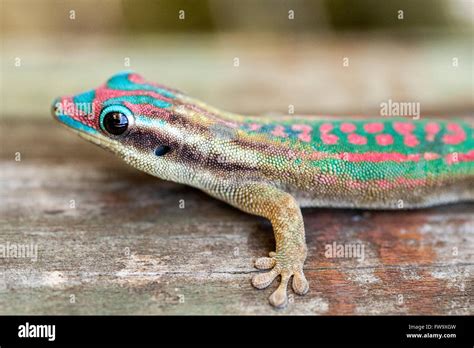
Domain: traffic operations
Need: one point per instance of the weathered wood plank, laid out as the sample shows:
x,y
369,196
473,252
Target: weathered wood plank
x,y
126,247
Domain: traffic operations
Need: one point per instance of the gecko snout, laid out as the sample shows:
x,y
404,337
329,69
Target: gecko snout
x,y
55,106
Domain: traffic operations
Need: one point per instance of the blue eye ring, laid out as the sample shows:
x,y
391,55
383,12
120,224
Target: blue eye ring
x,y
116,120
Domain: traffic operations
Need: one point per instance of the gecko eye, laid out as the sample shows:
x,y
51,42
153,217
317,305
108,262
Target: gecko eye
x,y
115,123
116,120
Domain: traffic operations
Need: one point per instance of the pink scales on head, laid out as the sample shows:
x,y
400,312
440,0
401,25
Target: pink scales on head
x,y
135,78
71,109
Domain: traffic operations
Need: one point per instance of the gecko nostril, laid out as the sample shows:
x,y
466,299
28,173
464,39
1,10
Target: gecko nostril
x,y
55,107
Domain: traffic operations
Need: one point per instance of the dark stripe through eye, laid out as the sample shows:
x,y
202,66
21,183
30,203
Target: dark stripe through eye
x,y
161,150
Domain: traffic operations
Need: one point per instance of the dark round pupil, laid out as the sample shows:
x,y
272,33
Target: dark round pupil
x,y
115,123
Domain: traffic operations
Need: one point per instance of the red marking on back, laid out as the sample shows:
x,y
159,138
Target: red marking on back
x,y
357,139
302,127
456,136
329,139
431,130
403,128
430,156
325,128
410,140
254,126
305,131
316,156
279,131
379,157
374,156
373,127
455,157
384,139
347,127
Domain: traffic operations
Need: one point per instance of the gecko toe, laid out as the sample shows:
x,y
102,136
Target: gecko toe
x,y
287,266
265,263
300,284
262,280
279,298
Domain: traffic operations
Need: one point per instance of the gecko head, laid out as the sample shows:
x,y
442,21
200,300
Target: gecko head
x,y
138,120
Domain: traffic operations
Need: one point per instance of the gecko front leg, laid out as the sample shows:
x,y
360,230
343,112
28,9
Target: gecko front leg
x,y
285,216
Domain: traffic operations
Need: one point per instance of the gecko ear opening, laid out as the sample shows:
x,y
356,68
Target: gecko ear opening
x,y
161,150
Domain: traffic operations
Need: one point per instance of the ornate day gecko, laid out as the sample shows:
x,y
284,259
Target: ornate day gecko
x,y
272,166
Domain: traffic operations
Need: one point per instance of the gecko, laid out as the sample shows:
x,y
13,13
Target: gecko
x,y
273,166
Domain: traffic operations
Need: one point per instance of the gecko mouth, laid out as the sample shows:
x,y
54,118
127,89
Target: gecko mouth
x,y
95,138
98,139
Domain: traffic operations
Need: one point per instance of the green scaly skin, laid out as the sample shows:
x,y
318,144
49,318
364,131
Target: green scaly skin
x,y
271,166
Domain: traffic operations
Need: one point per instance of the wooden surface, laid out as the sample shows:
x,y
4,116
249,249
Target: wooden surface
x,y
128,248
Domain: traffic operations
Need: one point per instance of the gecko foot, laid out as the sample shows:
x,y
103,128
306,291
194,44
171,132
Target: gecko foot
x,y
284,269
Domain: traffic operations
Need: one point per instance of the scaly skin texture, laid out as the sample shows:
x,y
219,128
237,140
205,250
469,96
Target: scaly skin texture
x,y
271,166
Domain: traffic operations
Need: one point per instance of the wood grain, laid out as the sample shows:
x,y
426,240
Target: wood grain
x,y
128,248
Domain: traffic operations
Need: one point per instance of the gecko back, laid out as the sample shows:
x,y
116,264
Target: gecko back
x,y
370,162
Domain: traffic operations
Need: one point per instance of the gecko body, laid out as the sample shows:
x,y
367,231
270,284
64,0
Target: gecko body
x,y
272,166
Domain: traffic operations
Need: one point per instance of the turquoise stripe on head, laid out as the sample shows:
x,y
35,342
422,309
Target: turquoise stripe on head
x,y
122,82
84,102
87,97
147,121
138,99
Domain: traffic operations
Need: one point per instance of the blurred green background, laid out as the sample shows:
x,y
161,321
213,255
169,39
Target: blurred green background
x,y
207,16
289,52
